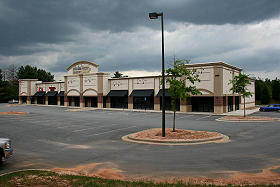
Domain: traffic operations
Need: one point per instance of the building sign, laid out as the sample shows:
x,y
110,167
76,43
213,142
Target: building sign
x,y
81,69
40,89
52,88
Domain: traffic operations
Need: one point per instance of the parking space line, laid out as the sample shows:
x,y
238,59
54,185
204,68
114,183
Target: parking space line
x,y
111,131
184,116
79,130
203,117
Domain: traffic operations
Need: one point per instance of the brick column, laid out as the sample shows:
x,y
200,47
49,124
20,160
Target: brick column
x,y
108,102
186,105
47,100
156,103
233,102
225,104
130,102
100,101
218,104
65,100
58,101
28,100
82,102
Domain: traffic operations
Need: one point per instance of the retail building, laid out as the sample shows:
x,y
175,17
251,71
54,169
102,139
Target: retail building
x,y
85,86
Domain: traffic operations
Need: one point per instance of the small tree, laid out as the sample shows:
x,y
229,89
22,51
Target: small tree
x,y
178,77
239,85
117,75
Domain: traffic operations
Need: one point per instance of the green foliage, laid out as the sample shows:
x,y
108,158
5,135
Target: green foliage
x,y
9,87
29,72
267,91
118,75
239,85
178,77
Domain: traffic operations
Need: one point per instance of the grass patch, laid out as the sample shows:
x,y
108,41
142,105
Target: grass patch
x,y
48,178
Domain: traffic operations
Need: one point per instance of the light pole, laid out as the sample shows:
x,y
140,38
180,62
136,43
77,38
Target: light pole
x,y
155,15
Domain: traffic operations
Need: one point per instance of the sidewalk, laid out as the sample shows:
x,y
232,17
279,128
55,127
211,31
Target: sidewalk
x,y
241,112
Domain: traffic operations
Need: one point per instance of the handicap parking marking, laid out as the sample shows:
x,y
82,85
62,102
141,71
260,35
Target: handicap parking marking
x,y
111,131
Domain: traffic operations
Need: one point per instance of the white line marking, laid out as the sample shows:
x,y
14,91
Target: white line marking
x,y
203,117
111,131
185,116
79,130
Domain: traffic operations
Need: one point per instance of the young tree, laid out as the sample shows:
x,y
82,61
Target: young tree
x,y
178,77
117,75
239,85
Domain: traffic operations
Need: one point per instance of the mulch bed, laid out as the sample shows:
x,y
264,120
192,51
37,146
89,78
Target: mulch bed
x,y
248,118
179,134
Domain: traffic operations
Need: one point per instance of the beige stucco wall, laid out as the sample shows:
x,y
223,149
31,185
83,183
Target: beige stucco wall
x,y
23,88
206,77
119,84
227,77
143,83
90,82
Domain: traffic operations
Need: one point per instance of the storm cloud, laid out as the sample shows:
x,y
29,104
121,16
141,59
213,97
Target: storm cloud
x,y
118,35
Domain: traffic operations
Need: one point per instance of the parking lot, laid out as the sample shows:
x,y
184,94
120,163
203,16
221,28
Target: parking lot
x,y
51,137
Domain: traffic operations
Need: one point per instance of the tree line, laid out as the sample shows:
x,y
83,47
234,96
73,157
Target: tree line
x,y
267,91
9,79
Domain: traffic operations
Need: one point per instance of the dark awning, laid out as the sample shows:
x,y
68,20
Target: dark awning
x,y
117,93
51,93
61,93
166,93
39,94
142,93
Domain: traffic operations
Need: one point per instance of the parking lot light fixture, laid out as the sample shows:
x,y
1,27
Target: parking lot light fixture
x,y
155,15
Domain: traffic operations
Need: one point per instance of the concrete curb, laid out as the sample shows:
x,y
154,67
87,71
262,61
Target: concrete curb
x,y
246,121
221,139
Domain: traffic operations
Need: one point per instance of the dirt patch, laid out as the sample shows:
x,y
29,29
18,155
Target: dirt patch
x,y
266,177
179,134
248,118
13,113
103,170
41,180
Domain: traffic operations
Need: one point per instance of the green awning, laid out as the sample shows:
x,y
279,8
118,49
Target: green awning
x,y
51,93
142,93
39,94
61,93
166,93
118,93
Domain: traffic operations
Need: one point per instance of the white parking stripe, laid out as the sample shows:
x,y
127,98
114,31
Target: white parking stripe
x,y
184,116
79,130
203,117
111,131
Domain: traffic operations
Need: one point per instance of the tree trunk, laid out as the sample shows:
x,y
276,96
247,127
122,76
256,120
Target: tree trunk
x,y
244,107
173,121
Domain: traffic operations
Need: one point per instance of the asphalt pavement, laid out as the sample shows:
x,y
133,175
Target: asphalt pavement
x,y
51,137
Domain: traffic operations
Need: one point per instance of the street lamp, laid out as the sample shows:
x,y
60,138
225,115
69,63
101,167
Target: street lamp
x,y
155,15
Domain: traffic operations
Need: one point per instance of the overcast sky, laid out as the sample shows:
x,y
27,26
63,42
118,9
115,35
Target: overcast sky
x,y
119,36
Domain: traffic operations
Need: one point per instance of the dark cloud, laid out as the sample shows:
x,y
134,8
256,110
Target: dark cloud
x,y
39,21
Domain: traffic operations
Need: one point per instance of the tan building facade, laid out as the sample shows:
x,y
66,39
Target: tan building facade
x,y
85,86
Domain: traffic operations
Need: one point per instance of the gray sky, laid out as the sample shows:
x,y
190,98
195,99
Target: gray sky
x,y
119,36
